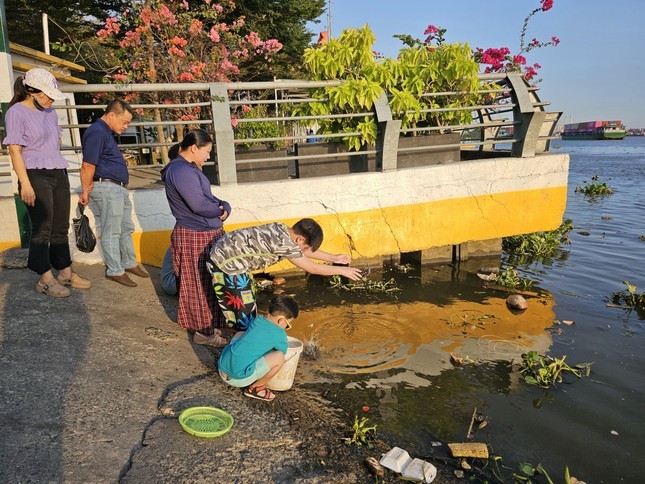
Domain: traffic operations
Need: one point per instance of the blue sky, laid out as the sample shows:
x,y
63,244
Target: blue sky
x,y
597,71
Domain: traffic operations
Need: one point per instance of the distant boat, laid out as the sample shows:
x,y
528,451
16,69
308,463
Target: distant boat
x,y
594,130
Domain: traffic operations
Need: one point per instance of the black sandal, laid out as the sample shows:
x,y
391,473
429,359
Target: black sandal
x,y
260,392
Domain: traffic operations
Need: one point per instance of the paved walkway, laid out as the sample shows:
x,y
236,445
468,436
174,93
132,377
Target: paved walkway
x,y
91,386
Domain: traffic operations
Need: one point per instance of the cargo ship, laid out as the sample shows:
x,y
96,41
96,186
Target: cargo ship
x,y
594,130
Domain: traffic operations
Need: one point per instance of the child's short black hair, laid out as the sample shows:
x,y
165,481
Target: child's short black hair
x,y
283,305
311,231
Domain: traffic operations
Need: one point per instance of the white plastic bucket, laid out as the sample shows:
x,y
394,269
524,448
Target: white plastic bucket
x,y
283,380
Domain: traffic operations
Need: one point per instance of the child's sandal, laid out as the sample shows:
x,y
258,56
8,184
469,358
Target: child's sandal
x,y
260,392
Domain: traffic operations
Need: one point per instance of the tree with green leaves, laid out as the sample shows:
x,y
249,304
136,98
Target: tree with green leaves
x,y
286,21
68,19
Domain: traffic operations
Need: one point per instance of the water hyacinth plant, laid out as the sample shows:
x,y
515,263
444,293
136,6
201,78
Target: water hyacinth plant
x,y
629,299
546,371
538,244
594,187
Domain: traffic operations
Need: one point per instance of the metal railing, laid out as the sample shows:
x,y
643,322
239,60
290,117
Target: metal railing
x,y
513,123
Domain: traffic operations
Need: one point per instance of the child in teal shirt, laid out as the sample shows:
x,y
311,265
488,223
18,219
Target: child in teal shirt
x,y
254,356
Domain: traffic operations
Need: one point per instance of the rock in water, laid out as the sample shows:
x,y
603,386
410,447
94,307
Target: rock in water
x,y
516,301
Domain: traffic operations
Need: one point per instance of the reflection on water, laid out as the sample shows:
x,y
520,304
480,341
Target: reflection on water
x,y
419,336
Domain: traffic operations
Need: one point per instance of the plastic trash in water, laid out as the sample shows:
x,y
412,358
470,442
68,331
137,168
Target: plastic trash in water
x,y
399,460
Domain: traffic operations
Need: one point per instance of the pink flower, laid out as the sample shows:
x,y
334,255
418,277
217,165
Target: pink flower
x,y
254,39
272,46
234,122
197,69
120,77
195,27
431,30
174,50
131,39
529,73
546,5
555,40
176,40
110,28
246,108
519,60
186,77
214,35
166,16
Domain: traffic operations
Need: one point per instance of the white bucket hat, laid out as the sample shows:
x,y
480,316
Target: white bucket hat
x,y
43,81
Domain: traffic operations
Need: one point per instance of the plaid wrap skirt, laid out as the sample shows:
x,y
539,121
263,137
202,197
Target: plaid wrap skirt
x,y
197,309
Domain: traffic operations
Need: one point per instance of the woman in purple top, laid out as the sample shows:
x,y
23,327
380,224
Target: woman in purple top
x,y
200,218
34,138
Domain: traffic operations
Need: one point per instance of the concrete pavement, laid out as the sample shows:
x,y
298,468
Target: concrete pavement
x,y
91,387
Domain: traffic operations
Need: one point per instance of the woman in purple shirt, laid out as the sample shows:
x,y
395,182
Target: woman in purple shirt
x,y
200,218
34,138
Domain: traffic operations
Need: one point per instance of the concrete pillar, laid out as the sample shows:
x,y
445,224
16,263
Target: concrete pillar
x,y
531,120
223,134
387,141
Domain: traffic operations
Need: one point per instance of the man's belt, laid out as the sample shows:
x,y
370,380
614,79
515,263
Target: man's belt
x,y
111,181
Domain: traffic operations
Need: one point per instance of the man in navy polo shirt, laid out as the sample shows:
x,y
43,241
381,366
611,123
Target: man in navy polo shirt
x,y
104,178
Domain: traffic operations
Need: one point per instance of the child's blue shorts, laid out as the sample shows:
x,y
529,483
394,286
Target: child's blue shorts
x,y
261,369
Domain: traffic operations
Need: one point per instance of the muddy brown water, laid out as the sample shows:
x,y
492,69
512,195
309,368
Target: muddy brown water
x,y
391,353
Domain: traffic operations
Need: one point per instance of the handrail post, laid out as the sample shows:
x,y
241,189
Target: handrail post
x,y
528,131
387,140
223,133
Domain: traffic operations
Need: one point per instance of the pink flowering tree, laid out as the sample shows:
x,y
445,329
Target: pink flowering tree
x,y
502,60
170,41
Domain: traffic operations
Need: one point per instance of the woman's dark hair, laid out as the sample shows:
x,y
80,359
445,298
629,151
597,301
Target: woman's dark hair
x,y
197,137
283,305
173,152
20,91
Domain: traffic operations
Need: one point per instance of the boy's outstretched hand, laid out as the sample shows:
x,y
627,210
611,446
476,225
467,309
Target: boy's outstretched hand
x,y
351,273
341,259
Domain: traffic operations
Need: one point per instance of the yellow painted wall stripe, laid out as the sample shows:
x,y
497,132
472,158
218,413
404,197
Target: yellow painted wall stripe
x,y
414,227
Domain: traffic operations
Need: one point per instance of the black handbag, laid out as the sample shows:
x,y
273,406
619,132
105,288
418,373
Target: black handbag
x,y
85,240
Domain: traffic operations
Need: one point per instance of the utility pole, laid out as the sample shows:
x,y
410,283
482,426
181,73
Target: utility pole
x,y
329,4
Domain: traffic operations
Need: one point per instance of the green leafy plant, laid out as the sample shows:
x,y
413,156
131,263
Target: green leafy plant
x,y
365,285
258,129
361,432
418,69
629,298
546,371
528,471
594,187
539,244
509,277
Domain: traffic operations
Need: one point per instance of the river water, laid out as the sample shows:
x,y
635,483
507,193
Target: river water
x,y
387,357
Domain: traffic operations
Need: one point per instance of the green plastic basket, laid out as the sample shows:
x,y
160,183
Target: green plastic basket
x,y
205,421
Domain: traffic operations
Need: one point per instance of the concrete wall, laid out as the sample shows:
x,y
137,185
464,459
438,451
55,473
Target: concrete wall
x,y
374,214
